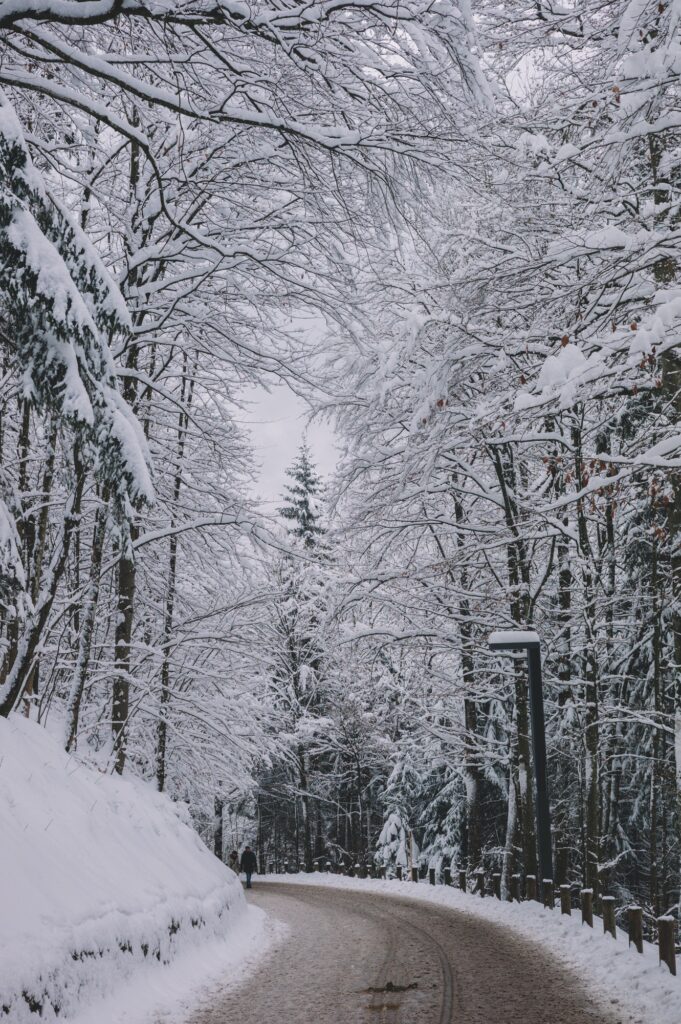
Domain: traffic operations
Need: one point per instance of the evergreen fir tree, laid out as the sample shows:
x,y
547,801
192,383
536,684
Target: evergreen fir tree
x,y
60,310
302,508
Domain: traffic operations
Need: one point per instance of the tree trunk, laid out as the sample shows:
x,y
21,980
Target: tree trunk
x,y
37,554
471,768
88,625
518,569
218,805
17,665
564,672
162,730
666,273
592,810
511,840
120,703
305,807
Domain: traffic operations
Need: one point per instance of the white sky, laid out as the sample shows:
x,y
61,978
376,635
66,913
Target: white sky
x,y
277,422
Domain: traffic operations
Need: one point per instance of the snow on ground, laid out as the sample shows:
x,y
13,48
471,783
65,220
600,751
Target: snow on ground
x,y
636,985
195,980
102,886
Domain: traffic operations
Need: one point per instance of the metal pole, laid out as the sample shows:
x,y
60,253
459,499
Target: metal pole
x,y
539,753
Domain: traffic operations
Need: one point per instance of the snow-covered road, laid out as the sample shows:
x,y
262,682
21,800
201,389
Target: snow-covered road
x,y
351,957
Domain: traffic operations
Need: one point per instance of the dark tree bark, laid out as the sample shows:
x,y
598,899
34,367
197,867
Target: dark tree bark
x,y
162,730
120,702
518,568
89,614
218,806
592,808
15,671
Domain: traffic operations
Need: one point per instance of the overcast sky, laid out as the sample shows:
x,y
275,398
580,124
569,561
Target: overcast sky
x,y
277,423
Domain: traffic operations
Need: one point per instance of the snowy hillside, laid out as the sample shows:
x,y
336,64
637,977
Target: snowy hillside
x,y
98,875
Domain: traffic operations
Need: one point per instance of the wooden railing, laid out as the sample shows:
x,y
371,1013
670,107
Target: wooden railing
x,y
483,885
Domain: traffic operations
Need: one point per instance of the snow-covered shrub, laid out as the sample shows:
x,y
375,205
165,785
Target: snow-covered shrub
x,y
393,843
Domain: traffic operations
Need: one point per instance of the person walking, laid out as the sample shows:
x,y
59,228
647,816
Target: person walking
x,y
233,861
249,864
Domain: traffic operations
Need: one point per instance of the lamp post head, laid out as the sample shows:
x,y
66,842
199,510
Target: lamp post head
x,y
514,640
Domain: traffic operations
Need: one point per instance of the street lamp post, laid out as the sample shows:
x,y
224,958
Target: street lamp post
x,y
528,640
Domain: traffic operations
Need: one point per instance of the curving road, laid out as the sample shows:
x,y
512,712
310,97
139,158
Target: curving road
x,y
353,958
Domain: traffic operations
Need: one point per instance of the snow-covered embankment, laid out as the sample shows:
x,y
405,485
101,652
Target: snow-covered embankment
x,y
99,879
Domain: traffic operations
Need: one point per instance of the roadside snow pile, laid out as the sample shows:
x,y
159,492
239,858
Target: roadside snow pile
x,y
98,876
629,985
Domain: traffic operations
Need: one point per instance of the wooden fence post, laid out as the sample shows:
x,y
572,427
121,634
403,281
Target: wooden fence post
x,y
480,882
462,880
414,874
531,887
431,876
496,885
635,916
547,892
587,897
566,900
448,876
608,905
515,888
666,938
398,872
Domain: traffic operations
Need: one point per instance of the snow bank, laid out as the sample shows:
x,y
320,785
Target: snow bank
x,y
631,984
99,876
195,982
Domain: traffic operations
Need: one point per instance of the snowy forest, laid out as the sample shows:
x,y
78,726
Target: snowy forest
x,y
477,207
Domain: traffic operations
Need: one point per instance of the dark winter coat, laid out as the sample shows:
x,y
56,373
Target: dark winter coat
x,y
249,861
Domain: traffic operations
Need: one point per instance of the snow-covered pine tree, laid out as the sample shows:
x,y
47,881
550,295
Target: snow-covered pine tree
x,y
297,653
403,801
60,311
302,507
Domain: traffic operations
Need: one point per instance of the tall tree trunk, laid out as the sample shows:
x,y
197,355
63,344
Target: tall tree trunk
x,y
23,525
120,702
666,273
471,767
671,389
592,810
120,697
89,615
218,805
162,730
518,569
15,672
305,809
656,774
564,673
39,545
